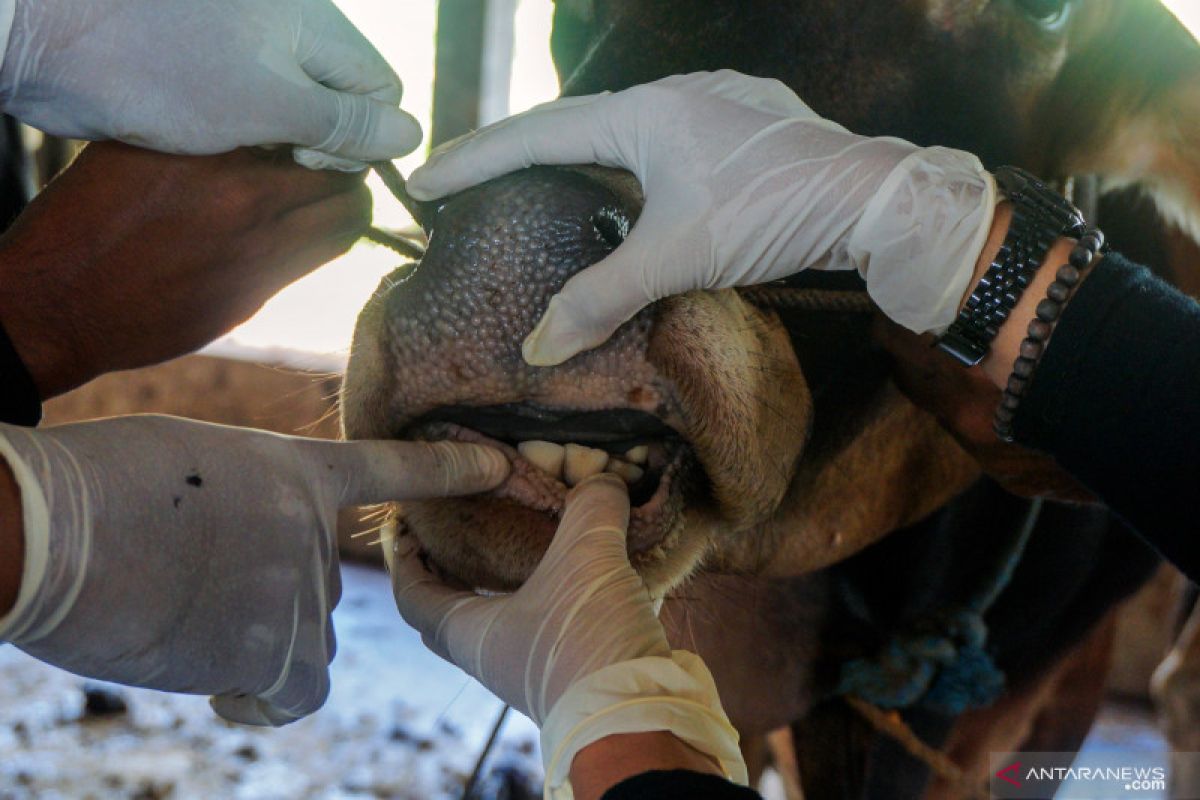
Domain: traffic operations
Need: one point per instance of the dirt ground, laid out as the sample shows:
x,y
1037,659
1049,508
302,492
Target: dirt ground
x,y
400,724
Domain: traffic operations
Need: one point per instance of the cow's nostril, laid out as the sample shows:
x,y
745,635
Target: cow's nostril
x,y
612,226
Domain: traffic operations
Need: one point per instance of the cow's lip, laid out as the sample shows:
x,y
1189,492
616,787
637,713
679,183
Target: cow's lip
x,y
615,430
656,500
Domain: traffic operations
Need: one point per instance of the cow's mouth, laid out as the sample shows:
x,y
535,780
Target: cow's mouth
x,y
697,402
552,450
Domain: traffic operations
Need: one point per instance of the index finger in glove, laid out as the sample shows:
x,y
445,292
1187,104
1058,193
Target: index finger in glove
x,y
379,472
350,110
764,94
355,127
560,132
337,55
594,525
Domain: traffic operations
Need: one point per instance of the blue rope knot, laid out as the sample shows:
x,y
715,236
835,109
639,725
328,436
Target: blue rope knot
x,y
941,664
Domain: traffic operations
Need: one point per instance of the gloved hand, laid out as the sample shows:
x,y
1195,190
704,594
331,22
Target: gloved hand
x,y
578,648
744,184
188,557
204,76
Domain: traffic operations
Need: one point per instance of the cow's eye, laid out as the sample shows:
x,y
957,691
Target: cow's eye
x,y
1048,13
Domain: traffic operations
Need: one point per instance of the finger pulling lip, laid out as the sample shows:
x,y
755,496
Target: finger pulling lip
x,y
529,486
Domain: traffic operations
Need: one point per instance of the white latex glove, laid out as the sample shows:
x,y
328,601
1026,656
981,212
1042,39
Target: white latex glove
x,y
578,648
188,557
204,76
744,184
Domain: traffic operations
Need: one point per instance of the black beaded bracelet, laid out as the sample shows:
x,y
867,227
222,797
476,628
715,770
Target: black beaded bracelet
x,y
1048,312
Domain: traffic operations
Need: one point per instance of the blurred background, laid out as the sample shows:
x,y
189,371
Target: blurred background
x,y
400,723
517,74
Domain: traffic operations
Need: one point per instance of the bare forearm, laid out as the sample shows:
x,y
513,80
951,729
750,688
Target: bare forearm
x,y
1006,347
605,763
93,278
12,540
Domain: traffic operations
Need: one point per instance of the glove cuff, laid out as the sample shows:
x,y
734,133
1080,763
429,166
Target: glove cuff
x,y
918,239
35,517
675,694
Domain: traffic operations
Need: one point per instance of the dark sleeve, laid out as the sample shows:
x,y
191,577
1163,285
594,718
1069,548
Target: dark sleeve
x,y
678,785
20,401
1116,400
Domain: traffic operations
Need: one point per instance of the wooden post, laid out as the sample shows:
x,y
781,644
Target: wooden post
x,y
498,47
458,79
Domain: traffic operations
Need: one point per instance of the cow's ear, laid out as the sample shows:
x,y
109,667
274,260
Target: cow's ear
x,y
1126,107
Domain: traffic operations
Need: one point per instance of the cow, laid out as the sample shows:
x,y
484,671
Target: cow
x,y
807,523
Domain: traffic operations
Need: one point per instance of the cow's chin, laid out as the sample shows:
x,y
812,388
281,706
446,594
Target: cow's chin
x,y
494,544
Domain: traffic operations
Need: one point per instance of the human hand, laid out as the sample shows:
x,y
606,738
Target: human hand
x,y
582,609
188,557
744,184
205,76
578,648
131,257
